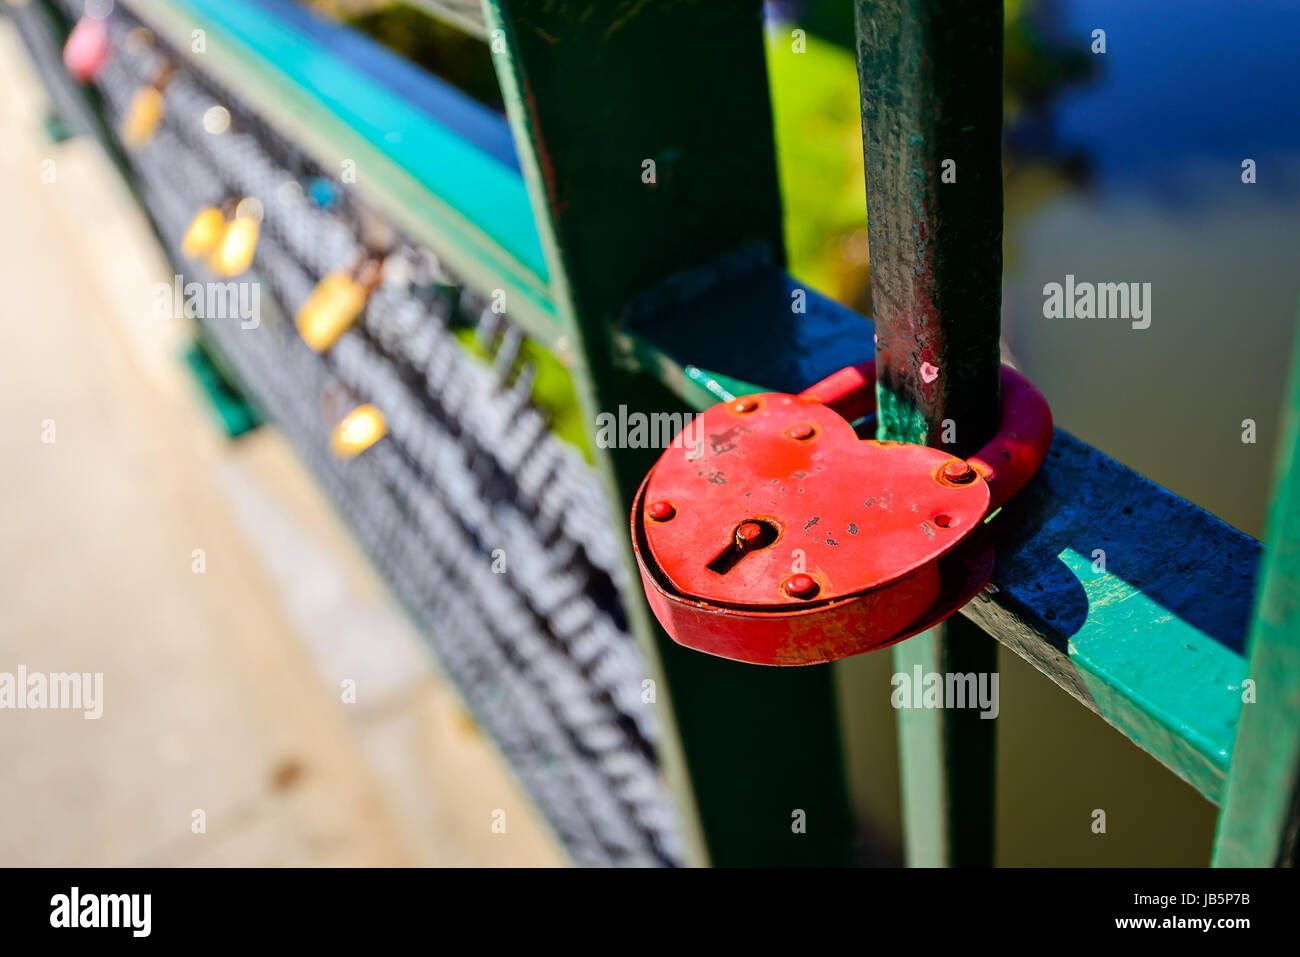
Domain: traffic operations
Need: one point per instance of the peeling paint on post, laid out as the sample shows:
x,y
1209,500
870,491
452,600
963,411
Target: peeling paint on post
x,y
930,75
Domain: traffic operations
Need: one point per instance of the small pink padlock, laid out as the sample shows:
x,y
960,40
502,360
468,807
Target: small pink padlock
x,y
88,49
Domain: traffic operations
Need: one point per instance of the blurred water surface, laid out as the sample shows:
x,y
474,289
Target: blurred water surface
x,y
1134,174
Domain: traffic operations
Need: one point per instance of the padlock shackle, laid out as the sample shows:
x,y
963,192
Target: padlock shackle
x,y
1010,458
851,391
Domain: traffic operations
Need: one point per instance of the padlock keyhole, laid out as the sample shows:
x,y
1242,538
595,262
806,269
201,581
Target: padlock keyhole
x,y
749,536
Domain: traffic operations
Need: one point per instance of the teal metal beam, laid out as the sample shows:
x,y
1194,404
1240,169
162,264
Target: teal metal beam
x,y
1261,808
1133,600
645,134
930,73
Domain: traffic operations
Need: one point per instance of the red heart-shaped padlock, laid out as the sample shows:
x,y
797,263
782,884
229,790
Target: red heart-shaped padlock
x,y
768,532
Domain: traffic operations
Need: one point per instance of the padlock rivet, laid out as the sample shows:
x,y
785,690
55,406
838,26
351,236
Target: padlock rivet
x,y
749,534
661,511
802,431
747,404
800,586
958,472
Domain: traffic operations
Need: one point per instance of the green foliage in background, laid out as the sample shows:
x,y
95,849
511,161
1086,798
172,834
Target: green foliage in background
x,y
818,128
446,52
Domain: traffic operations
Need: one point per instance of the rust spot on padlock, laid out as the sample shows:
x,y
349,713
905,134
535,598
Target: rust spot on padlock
x,y
958,472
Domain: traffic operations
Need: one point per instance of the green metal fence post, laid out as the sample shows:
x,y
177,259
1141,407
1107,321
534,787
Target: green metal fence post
x,y
1260,813
645,134
930,73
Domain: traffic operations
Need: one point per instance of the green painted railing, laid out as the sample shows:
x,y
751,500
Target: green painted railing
x,y
673,293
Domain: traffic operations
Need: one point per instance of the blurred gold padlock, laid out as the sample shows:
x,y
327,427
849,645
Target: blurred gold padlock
x,y
142,117
233,253
360,429
330,310
206,230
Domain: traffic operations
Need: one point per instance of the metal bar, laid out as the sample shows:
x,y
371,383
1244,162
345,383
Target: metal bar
x,y
1099,589
1261,807
946,765
645,134
930,73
